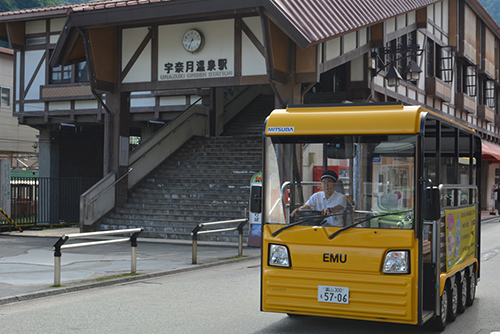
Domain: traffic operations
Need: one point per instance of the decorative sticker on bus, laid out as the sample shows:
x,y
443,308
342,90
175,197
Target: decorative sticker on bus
x,y
281,129
460,236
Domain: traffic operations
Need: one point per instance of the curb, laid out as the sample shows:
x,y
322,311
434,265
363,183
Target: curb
x,y
120,280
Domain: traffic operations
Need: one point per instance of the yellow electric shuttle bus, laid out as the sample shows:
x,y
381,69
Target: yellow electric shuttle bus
x,y
405,246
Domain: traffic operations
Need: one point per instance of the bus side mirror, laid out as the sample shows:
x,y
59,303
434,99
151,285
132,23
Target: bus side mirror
x,y
432,207
256,199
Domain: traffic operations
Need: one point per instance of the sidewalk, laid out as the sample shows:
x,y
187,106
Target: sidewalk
x,y
486,216
27,262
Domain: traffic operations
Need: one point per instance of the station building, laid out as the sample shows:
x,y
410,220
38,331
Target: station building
x,y
100,78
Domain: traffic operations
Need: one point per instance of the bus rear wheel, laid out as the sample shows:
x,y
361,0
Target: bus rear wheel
x,y
462,295
471,290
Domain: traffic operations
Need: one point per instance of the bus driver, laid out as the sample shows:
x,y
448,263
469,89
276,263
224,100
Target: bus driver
x,y
328,201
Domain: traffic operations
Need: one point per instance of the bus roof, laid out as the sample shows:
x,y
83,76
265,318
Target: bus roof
x,y
346,119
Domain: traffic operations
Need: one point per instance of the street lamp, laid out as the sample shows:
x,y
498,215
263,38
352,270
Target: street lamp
x,y
412,71
393,76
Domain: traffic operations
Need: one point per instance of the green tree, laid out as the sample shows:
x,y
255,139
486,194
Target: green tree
x,y
493,8
8,5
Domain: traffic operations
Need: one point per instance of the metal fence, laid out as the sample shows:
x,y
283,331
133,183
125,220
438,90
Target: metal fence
x,y
47,200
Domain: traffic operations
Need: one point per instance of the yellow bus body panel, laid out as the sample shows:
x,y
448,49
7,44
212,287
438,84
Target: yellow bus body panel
x,y
369,119
315,260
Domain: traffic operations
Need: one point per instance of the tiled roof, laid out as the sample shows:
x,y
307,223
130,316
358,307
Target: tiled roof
x,y
81,6
311,21
319,19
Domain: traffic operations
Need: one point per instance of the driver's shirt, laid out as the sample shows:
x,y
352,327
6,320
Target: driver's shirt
x,y
318,201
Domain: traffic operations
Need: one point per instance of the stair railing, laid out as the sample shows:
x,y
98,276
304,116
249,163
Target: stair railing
x,y
142,160
89,213
148,155
244,96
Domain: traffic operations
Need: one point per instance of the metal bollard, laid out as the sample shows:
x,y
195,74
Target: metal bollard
x,y
133,244
133,268
57,259
59,245
195,251
57,270
240,243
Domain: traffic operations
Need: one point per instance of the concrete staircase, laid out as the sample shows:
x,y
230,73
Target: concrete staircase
x,y
207,179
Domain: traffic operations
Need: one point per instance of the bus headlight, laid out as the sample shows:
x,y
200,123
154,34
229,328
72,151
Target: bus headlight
x,y
396,262
279,256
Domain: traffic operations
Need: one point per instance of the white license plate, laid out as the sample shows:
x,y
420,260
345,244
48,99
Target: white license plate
x,y
333,294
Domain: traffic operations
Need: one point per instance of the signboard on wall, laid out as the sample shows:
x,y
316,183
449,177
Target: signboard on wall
x,y
5,187
213,59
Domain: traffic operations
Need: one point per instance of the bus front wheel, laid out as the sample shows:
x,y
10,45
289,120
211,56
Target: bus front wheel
x,y
440,322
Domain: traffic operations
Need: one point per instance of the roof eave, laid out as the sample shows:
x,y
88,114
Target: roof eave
x,y
34,15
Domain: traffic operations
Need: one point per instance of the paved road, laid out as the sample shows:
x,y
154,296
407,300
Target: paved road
x,y
222,299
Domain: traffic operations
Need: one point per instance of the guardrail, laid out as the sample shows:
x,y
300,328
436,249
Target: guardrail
x,y
239,228
60,245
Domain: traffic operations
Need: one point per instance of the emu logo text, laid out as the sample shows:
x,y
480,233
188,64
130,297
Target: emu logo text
x,y
342,258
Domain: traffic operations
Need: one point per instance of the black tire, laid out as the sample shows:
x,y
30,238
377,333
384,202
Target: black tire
x,y
293,315
440,321
453,302
471,289
462,295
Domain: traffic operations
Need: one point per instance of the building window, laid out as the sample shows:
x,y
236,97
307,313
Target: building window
x,y
5,102
61,74
402,43
446,64
430,58
391,48
439,61
81,72
489,93
469,80
36,40
466,79
66,74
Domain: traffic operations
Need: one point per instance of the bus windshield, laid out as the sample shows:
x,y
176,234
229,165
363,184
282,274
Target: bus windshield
x,y
375,174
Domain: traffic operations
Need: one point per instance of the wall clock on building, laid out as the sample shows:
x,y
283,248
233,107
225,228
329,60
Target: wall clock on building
x,y
193,40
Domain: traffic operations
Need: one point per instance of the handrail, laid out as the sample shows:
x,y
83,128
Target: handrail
x,y
106,189
165,141
239,228
60,245
166,134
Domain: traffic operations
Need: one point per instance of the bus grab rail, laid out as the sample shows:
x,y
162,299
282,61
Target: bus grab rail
x,y
60,245
198,230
